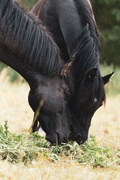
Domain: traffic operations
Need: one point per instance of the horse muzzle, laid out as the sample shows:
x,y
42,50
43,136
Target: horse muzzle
x,y
57,138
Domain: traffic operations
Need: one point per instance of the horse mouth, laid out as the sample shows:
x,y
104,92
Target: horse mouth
x,y
79,139
60,139
56,138
76,137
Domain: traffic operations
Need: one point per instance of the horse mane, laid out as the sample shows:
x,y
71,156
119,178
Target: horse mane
x,y
86,49
85,53
27,37
86,57
84,8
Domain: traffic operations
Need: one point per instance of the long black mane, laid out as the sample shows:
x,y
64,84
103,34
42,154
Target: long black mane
x,y
28,38
85,11
85,53
85,50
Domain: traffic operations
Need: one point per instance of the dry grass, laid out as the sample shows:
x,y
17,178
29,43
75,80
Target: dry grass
x,y
105,126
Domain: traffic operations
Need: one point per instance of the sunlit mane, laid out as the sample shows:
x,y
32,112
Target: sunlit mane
x,y
85,11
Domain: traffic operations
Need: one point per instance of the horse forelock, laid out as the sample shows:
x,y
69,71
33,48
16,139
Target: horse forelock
x,y
94,91
29,39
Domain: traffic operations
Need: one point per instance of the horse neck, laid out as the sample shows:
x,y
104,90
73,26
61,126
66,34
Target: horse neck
x,y
80,32
70,21
28,39
73,16
27,72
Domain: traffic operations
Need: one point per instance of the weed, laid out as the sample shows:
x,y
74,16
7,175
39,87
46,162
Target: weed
x,y
27,147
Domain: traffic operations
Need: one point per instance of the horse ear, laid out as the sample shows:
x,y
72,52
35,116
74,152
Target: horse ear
x,y
106,78
66,68
91,74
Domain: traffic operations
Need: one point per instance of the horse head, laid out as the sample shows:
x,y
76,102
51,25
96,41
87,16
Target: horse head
x,y
89,96
89,91
49,100
28,48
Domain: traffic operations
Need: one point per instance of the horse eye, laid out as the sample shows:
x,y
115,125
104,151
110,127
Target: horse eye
x,y
67,94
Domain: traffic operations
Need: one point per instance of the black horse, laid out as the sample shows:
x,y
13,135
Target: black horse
x,y
73,26
27,47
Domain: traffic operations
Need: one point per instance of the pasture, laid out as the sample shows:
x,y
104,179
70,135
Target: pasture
x,y
98,159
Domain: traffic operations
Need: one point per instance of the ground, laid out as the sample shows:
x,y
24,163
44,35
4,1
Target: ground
x,y
105,126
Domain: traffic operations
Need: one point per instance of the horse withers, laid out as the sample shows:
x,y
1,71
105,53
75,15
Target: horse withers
x,y
73,27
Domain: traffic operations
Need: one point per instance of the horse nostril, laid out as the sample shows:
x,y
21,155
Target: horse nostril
x,y
56,138
65,140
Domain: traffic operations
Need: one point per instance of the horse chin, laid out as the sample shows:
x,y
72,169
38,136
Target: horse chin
x,y
77,136
52,138
80,140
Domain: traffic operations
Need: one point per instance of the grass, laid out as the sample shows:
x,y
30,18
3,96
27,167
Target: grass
x,y
30,156
25,148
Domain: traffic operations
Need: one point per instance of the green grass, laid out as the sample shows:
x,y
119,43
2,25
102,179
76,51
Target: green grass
x,y
27,147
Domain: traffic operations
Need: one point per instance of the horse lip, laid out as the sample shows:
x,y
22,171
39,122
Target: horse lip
x,y
80,140
51,138
71,135
56,138
60,139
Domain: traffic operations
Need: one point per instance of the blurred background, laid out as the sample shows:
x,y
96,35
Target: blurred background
x,y
107,14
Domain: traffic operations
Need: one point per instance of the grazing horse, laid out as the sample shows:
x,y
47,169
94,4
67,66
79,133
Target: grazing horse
x,y
27,47
73,27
